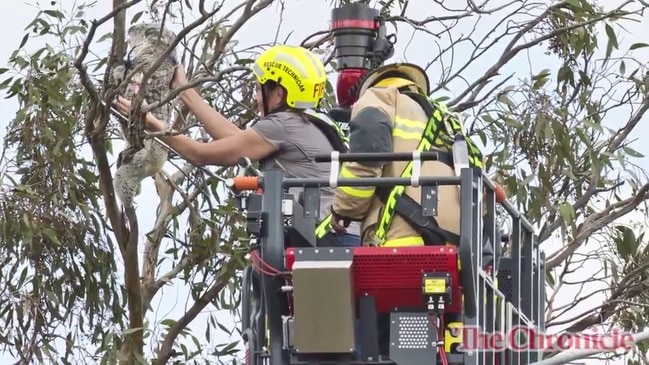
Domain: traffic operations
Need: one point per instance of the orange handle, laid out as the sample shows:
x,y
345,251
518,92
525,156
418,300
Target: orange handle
x,y
240,183
501,195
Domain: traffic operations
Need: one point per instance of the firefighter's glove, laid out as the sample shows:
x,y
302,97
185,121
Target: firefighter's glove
x,y
338,223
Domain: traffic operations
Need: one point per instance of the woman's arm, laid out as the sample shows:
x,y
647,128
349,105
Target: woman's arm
x,y
223,152
215,124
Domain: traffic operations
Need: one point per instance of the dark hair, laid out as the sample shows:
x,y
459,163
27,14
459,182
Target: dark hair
x,y
271,85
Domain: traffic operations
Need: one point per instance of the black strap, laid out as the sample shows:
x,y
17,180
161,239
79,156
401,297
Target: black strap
x,y
410,211
330,132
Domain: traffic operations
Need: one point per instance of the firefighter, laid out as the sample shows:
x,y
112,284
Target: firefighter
x,y
291,83
394,114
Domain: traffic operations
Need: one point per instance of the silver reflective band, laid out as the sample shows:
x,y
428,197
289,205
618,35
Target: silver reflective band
x,y
305,104
291,61
416,168
335,169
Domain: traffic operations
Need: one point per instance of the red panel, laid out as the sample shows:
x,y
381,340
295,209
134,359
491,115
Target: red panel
x,y
393,276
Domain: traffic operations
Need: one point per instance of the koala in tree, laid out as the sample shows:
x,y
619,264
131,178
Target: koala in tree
x,y
143,157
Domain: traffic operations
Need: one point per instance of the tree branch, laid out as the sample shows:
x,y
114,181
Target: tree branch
x,y
597,221
134,340
222,280
511,50
592,188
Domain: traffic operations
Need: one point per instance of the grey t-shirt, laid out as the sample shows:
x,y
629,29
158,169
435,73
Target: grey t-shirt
x,y
298,142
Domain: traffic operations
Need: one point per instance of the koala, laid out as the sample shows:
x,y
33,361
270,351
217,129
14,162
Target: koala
x,y
142,157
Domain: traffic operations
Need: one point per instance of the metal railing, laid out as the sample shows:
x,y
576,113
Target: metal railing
x,y
488,305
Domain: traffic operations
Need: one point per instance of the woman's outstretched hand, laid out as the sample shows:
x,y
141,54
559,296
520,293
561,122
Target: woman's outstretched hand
x,y
124,107
180,77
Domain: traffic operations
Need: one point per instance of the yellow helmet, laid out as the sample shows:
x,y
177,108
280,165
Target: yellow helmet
x,y
397,75
296,69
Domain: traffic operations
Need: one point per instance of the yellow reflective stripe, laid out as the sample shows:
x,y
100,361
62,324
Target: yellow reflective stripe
x,y
344,172
408,129
404,242
410,123
405,135
323,227
355,191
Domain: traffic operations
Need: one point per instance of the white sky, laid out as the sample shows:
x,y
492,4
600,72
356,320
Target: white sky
x,y
171,301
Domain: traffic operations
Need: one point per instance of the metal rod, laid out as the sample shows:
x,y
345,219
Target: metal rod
x,y
371,181
526,275
378,157
516,257
469,271
272,252
541,293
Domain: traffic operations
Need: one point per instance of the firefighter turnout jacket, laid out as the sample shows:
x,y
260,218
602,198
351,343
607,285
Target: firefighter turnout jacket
x,y
389,119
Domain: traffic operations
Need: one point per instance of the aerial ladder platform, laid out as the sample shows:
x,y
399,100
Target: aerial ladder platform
x,y
409,305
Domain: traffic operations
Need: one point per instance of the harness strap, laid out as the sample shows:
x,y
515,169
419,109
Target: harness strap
x,y
394,200
427,227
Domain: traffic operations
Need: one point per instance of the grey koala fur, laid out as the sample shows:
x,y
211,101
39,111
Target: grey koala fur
x,y
143,157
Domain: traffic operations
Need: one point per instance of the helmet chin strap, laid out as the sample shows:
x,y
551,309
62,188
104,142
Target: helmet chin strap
x,y
264,100
264,103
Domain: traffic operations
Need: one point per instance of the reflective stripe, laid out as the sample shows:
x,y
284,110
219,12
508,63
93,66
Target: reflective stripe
x,y
404,242
257,70
315,62
408,123
408,129
305,104
289,60
323,228
355,191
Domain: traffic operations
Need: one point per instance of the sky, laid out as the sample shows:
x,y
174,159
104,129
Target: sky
x,y
171,301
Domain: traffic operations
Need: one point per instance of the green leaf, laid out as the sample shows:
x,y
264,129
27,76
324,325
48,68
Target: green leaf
x,y
24,41
136,17
168,322
567,212
631,152
51,234
541,75
244,61
54,13
528,179
622,67
626,242
549,278
638,45
612,40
